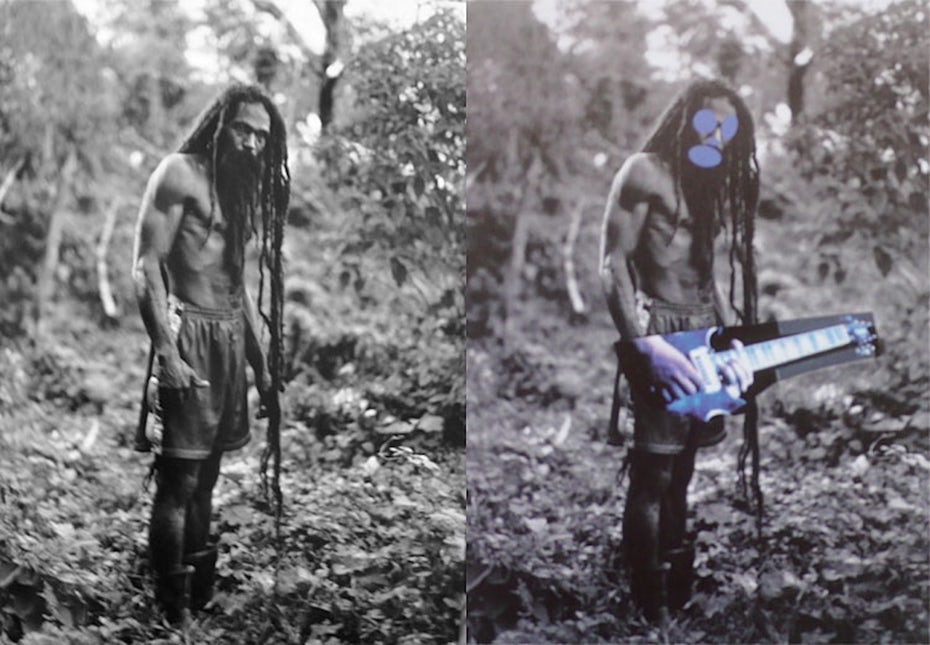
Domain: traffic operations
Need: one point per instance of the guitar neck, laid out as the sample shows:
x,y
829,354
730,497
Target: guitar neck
x,y
777,352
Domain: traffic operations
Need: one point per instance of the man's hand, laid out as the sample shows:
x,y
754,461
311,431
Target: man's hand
x,y
175,374
737,375
670,373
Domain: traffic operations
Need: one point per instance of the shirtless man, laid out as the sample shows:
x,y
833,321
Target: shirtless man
x,y
197,213
667,205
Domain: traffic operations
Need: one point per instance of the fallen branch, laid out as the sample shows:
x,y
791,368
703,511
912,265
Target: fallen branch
x,y
9,180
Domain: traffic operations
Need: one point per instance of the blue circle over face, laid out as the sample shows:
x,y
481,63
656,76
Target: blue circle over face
x,y
704,122
705,156
729,127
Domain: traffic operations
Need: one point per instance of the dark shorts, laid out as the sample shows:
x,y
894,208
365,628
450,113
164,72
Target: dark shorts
x,y
199,421
655,430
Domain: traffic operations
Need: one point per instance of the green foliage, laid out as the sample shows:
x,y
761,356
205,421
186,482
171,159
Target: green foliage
x,y
397,166
857,176
867,146
523,104
845,500
372,548
54,90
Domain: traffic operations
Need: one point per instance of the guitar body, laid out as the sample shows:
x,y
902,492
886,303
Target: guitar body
x,y
774,350
714,400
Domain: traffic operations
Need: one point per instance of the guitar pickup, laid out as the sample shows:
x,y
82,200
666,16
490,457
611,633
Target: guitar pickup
x,y
706,368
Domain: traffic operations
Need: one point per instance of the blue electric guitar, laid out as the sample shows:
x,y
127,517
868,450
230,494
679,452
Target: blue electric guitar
x,y
773,350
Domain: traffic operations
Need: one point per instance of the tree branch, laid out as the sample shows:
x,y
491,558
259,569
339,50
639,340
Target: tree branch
x,y
272,9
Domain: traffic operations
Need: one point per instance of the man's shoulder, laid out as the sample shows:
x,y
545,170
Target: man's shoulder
x,y
182,166
645,169
643,176
180,173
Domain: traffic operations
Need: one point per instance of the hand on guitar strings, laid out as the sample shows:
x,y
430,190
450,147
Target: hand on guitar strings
x,y
670,374
736,374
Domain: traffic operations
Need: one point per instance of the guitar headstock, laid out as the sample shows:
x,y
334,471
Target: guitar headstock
x,y
863,334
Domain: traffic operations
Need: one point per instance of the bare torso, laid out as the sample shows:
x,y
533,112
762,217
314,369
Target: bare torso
x,y
664,257
195,263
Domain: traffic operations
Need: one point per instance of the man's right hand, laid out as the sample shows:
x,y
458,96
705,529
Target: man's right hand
x,y
175,374
669,373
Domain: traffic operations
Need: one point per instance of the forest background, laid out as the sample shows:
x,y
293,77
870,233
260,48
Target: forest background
x,y
559,94
371,543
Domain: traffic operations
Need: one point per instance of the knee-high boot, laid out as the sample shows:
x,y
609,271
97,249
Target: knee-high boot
x,y
649,588
204,565
172,591
681,575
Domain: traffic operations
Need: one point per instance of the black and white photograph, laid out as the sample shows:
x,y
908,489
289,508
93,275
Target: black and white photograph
x,y
232,341
697,319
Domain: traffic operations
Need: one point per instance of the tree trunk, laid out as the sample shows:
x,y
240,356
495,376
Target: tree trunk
x,y
521,234
799,57
331,66
103,282
579,308
46,277
328,69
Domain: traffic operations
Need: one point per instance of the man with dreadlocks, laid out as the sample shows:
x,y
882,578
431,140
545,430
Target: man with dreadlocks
x,y
696,175
197,213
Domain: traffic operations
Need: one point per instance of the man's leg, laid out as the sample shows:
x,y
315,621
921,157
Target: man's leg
x,y
650,478
677,550
176,482
199,552
675,501
200,508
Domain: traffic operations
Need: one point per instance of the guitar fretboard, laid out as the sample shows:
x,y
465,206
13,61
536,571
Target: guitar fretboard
x,y
779,351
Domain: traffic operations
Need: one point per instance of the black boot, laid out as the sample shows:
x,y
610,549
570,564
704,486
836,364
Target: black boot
x,y
680,576
204,565
173,591
649,589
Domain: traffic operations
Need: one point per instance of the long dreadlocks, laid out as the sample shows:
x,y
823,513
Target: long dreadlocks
x,y
736,195
271,202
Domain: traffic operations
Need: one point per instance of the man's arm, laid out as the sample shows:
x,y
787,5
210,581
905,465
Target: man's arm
x,y
620,233
159,217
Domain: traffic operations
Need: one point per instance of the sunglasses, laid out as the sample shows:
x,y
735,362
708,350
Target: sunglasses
x,y
705,122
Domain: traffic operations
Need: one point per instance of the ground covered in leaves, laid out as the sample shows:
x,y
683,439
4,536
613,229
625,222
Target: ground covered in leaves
x,y
371,544
844,554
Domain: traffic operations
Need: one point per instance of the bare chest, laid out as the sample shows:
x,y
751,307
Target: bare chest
x,y
200,244
671,232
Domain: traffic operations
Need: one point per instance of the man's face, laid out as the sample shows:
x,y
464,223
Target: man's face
x,y
247,132
715,124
